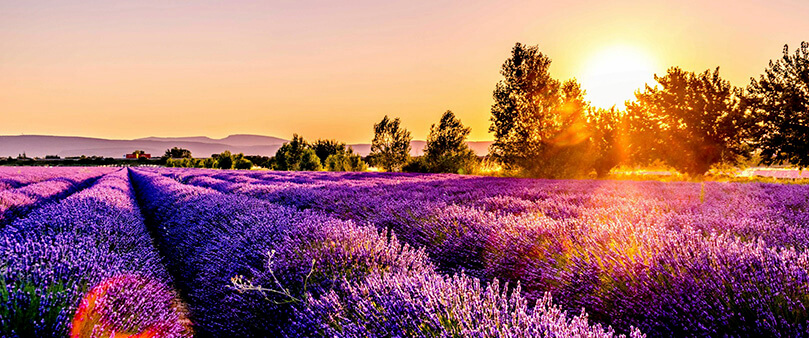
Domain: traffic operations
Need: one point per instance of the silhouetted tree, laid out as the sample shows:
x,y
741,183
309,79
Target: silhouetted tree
x,y
224,160
539,123
690,122
258,160
325,148
208,163
242,163
390,147
605,131
417,164
177,152
779,101
446,149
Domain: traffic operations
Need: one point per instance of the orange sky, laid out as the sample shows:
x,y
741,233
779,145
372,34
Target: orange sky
x,y
329,70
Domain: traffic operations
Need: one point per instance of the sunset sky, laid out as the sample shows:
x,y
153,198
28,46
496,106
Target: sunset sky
x,y
331,69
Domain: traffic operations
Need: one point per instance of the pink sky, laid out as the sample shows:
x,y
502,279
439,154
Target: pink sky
x,y
330,69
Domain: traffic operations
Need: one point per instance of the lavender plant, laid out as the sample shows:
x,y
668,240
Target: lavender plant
x,y
684,258
85,267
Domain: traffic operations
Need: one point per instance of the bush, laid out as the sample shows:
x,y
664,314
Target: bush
x,y
416,165
309,161
243,163
345,162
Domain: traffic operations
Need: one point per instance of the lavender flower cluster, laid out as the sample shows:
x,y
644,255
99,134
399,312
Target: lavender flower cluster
x,y
84,266
301,273
683,259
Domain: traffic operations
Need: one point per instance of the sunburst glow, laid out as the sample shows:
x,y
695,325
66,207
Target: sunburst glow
x,y
612,75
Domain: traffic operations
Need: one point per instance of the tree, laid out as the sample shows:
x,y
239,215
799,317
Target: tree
x,y
242,163
309,161
346,161
259,160
209,163
417,164
390,147
325,148
288,157
296,155
176,152
446,149
605,131
224,160
539,123
779,102
690,121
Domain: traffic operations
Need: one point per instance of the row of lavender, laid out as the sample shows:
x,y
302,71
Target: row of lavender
x,y
85,266
670,258
22,189
16,177
302,273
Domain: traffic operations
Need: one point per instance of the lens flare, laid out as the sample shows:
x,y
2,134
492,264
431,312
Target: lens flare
x,y
129,307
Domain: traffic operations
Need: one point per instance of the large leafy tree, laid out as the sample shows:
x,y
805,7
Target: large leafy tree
x,y
325,148
690,121
390,147
337,156
446,149
296,155
779,101
224,160
539,123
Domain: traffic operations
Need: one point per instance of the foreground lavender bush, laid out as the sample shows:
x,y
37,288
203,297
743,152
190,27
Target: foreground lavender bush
x,y
86,266
670,258
429,305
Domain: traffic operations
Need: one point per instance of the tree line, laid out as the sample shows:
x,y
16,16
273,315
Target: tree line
x,y
544,127
179,157
445,151
689,121
295,155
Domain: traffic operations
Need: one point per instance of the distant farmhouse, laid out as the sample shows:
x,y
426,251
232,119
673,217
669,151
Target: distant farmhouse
x,y
137,156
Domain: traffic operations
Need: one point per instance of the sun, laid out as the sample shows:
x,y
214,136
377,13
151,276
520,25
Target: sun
x,y
613,75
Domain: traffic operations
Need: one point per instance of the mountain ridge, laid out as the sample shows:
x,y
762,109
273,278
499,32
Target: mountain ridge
x,y
200,146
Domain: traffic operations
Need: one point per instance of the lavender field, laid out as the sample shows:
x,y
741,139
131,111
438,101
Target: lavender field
x,y
159,252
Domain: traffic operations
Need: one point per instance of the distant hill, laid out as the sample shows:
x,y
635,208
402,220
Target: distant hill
x,y
236,140
200,146
41,145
